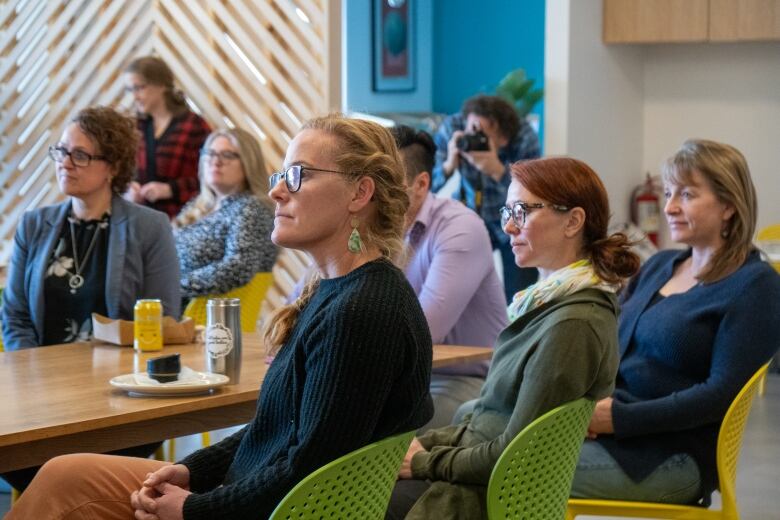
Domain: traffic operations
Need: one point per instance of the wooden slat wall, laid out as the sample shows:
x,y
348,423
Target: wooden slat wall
x,y
263,65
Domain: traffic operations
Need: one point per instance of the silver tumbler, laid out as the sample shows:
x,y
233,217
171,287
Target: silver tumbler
x,y
223,337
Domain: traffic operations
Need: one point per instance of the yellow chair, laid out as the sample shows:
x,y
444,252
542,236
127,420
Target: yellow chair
x,y
251,296
729,443
768,234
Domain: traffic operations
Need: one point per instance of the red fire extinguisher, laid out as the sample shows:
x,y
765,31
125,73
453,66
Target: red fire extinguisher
x,y
646,209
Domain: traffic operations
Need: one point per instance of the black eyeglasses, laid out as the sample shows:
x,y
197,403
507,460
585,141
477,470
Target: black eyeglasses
x,y
78,157
292,176
518,212
226,156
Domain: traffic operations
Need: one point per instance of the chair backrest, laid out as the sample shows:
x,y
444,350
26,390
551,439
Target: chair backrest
x,y
769,233
730,441
532,478
251,296
357,485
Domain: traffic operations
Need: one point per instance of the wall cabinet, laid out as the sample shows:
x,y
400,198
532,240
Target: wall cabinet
x,y
738,20
669,21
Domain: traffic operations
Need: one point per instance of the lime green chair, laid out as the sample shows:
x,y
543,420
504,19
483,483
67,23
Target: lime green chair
x,y
251,296
357,485
729,444
532,478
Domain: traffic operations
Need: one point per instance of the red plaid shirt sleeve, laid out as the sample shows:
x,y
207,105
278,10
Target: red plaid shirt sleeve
x,y
176,160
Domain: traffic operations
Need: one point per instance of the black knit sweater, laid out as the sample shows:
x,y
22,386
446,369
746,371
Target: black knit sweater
x,y
355,370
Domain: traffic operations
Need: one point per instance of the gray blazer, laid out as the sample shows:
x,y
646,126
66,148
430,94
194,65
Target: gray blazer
x,y
142,263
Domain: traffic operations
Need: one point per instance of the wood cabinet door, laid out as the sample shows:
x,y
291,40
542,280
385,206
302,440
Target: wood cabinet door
x,y
739,20
655,21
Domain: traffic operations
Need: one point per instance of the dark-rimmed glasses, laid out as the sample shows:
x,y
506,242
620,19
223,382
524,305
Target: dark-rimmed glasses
x,y
292,176
78,157
518,212
225,156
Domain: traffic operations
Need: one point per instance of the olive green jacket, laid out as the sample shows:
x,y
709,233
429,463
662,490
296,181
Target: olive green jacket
x,y
559,352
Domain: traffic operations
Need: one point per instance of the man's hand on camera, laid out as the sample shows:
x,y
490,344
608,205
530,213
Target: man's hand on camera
x,y
487,162
453,153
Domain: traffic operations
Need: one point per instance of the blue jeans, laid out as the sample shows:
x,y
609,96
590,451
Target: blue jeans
x,y
676,481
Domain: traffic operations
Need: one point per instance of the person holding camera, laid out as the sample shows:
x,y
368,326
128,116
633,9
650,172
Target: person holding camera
x,y
481,142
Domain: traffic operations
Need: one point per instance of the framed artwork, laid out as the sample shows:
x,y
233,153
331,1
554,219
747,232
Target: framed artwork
x,y
394,54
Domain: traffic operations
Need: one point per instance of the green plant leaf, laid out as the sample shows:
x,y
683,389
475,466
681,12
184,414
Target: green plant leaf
x,y
518,89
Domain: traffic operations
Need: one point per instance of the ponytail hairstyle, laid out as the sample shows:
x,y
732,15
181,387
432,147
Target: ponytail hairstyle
x,y
572,183
363,149
726,171
155,71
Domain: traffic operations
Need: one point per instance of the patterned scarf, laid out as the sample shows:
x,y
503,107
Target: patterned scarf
x,y
563,282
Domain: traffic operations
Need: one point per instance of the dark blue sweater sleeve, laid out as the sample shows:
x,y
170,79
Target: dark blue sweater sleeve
x,y
748,336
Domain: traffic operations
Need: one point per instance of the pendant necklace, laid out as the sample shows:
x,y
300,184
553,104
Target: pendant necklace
x,y
76,280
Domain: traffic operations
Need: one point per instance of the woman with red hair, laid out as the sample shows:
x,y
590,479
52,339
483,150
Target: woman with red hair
x,y
561,344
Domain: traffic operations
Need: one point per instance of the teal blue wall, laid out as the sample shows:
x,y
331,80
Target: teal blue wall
x,y
359,96
463,47
476,42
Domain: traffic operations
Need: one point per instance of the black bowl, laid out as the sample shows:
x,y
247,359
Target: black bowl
x,y
164,368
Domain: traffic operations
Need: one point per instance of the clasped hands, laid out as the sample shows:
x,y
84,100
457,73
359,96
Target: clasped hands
x,y
601,420
406,466
151,191
162,494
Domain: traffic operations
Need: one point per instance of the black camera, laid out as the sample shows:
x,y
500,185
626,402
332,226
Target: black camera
x,y
476,142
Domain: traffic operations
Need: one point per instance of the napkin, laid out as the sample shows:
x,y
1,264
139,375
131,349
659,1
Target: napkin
x,y
187,376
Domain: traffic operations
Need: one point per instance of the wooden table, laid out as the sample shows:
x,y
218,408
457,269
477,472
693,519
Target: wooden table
x,y
57,399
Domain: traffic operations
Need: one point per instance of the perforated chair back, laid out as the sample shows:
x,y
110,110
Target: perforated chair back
x,y
355,486
251,296
729,443
532,478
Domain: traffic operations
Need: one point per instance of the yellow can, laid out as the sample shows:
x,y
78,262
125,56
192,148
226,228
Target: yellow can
x,y
148,325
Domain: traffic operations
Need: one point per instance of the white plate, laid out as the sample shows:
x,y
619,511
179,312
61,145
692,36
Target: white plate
x,y
196,383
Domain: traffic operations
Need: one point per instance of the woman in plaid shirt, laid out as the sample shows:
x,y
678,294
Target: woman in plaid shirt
x,y
171,138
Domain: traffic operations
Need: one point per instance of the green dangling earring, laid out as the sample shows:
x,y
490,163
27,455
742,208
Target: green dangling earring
x,y
355,245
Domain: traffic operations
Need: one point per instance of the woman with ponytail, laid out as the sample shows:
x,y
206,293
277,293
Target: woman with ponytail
x,y
695,325
171,138
353,354
561,344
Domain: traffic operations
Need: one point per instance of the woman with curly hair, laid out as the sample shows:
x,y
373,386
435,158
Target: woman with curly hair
x,y
95,252
353,353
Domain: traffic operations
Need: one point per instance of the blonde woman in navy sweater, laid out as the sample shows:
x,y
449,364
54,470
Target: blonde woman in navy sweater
x,y
695,325
353,353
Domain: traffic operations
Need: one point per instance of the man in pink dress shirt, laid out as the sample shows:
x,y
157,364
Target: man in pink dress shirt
x,y
452,272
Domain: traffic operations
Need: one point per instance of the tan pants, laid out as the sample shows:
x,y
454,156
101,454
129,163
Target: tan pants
x,y
84,486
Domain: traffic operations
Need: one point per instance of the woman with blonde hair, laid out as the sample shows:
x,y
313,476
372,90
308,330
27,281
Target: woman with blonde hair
x,y
223,237
171,138
353,354
695,325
